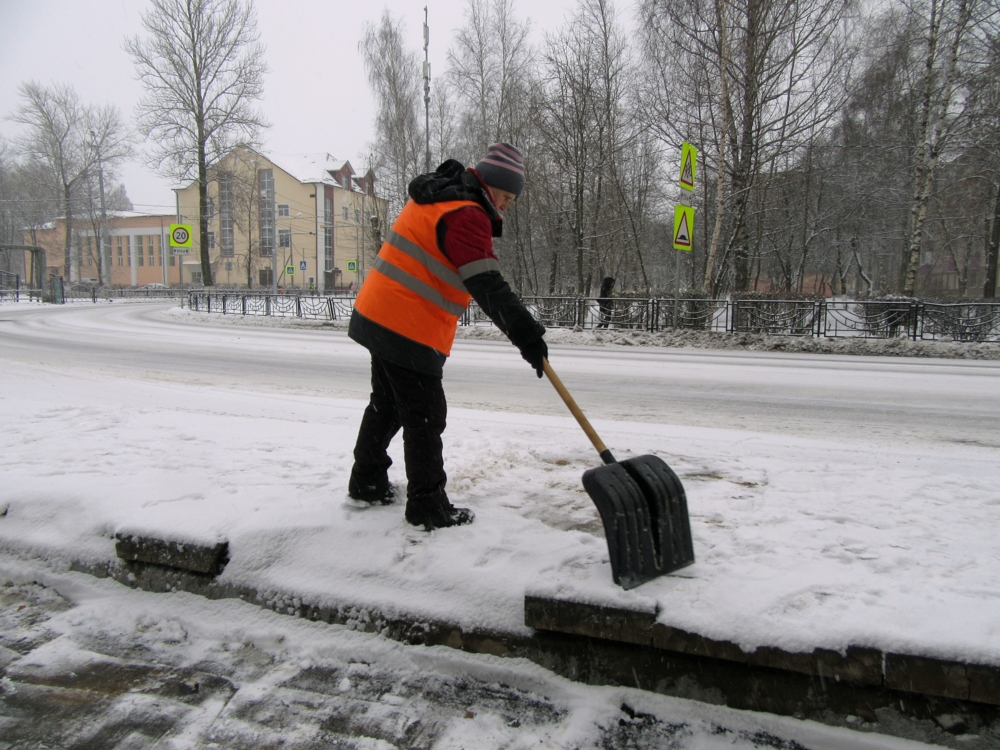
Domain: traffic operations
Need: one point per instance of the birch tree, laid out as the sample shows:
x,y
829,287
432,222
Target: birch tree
x,y
393,76
491,61
771,71
947,27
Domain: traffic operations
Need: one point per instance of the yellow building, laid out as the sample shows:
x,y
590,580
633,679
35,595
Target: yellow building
x,y
136,243
293,221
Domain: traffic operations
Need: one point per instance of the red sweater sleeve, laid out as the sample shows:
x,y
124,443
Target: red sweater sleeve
x,y
468,237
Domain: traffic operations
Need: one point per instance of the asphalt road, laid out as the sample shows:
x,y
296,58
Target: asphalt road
x,y
841,397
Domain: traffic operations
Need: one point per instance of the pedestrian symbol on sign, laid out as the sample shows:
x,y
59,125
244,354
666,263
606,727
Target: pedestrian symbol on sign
x,y
352,265
689,165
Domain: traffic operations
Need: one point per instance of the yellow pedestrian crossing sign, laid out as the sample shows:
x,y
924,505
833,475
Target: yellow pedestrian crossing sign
x,y
689,165
683,227
352,265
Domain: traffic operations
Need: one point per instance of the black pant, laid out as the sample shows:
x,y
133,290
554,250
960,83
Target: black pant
x,y
415,401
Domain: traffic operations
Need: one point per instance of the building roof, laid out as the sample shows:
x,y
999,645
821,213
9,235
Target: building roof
x,y
315,167
112,215
319,167
308,168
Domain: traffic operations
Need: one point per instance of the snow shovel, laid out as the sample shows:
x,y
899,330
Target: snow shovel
x,y
642,505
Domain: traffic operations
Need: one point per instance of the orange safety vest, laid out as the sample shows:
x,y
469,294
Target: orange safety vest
x,y
413,289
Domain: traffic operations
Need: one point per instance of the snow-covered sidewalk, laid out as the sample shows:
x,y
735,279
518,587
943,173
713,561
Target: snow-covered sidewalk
x,y
800,543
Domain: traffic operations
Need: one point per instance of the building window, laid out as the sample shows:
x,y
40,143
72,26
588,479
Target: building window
x,y
211,240
139,256
266,277
357,216
345,213
152,255
226,214
121,262
284,238
283,209
265,179
210,208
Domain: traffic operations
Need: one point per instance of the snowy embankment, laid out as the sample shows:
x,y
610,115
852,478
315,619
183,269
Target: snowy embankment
x,y
800,543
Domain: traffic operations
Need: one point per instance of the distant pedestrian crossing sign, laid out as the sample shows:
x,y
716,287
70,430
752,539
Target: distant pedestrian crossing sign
x,y
689,165
683,227
290,270
352,266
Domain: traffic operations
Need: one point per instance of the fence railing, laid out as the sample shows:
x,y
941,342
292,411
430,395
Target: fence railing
x,y
876,319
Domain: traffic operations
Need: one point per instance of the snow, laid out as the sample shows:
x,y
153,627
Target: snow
x,y
278,681
800,542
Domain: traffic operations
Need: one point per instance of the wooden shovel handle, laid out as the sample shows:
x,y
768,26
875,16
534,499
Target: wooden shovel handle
x,y
580,418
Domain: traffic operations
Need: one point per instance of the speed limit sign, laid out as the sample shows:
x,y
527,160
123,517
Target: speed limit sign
x,y
180,235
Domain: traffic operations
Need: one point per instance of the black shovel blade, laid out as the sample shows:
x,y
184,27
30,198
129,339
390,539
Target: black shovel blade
x,y
644,511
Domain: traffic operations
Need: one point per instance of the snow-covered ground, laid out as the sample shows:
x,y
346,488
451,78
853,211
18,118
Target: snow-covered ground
x,y
113,667
807,534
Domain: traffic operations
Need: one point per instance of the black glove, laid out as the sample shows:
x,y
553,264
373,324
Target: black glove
x,y
535,353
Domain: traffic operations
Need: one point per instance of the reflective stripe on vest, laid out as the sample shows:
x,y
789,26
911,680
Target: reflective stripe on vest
x,y
412,288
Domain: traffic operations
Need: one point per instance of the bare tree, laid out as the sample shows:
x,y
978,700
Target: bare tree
x,y
491,62
62,140
947,23
444,127
393,75
203,69
27,200
772,73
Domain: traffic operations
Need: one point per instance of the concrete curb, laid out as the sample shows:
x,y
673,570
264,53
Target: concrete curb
x,y
862,666
603,645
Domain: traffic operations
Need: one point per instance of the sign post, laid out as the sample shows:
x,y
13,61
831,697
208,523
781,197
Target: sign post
x,y
684,219
180,245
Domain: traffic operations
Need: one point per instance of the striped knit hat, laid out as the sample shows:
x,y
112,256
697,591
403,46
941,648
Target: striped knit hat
x,y
503,168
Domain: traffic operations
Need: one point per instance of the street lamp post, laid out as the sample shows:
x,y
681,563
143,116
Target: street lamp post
x,y
104,254
427,93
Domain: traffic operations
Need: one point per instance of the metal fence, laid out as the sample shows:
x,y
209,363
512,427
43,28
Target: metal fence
x,y
60,294
878,319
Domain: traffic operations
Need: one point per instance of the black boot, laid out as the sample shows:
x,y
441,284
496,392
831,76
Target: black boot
x,y
372,492
437,515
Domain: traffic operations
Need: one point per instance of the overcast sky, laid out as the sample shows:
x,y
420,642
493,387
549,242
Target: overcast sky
x,y
315,96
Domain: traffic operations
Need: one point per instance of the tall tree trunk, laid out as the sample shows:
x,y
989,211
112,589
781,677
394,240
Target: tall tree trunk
x,y
720,188
68,215
929,149
206,261
993,253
